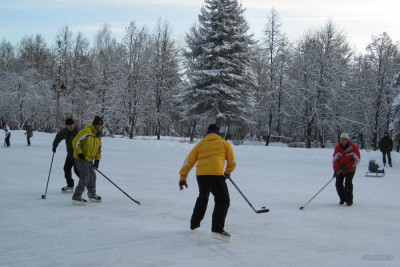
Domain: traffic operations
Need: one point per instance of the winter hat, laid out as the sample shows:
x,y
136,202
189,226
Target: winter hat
x,y
69,121
345,136
213,128
97,121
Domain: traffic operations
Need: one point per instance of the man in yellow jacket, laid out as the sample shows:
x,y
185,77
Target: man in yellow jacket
x,y
210,155
87,147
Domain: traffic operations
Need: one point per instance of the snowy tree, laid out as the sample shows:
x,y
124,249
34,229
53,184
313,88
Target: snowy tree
x,y
137,52
188,90
320,74
272,62
27,84
106,76
221,79
380,69
164,77
395,125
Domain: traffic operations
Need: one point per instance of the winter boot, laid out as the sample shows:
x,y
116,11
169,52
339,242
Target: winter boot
x,y
223,235
79,201
67,189
94,197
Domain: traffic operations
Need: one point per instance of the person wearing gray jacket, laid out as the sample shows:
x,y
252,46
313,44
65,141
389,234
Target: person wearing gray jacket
x,y
68,133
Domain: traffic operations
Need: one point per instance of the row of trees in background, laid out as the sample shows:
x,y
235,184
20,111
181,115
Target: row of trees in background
x,y
271,89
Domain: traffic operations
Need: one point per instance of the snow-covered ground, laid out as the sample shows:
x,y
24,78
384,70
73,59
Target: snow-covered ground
x,y
117,232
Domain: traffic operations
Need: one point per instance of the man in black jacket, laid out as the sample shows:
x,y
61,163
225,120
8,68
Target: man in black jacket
x,y
68,133
386,145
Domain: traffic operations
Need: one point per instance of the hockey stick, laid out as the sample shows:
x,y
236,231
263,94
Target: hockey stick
x,y
137,202
48,179
263,210
334,176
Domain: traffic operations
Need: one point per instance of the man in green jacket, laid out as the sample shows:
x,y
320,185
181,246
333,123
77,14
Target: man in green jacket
x,y
87,147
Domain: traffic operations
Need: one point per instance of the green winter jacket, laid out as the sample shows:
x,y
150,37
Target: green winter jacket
x,y
88,142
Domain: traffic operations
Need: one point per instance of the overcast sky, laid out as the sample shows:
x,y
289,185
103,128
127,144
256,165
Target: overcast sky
x,y
359,19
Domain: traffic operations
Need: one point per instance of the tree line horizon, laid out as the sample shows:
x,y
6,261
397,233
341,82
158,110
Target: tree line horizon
x,y
272,89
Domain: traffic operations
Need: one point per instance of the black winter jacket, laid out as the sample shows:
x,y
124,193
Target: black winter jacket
x,y
386,144
68,136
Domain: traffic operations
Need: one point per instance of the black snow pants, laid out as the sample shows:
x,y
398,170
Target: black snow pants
x,y
217,186
68,165
7,140
344,187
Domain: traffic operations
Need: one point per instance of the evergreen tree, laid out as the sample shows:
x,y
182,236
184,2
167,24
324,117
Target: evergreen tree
x,y
221,83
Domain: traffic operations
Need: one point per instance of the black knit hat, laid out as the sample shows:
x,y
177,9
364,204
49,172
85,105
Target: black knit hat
x,y
213,128
97,121
69,121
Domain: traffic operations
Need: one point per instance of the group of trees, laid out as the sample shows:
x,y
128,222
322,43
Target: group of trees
x,y
272,89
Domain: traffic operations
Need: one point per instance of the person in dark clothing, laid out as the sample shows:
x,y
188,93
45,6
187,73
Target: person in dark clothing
x,y
374,167
345,159
386,146
68,133
28,133
7,132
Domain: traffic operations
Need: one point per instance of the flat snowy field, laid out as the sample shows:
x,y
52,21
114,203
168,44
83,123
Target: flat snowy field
x,y
118,232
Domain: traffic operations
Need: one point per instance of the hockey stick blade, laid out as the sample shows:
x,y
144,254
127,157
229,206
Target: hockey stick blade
x,y
262,211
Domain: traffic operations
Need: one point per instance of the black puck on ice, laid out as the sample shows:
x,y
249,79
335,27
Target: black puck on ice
x,y
263,207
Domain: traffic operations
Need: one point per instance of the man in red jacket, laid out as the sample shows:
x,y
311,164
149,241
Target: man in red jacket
x,y
345,159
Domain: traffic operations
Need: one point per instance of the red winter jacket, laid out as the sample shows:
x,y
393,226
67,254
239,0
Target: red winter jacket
x,y
346,156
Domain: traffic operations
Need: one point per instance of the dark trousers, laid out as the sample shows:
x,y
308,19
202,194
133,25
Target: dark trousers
x,y
28,139
344,187
69,163
384,154
7,140
217,186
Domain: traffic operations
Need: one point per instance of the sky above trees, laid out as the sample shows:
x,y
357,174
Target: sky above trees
x,y
358,19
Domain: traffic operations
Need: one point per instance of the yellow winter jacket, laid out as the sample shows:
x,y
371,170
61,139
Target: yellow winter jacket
x,y
210,155
88,142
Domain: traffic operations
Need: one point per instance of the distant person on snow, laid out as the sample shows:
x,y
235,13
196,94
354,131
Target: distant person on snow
x,y
7,132
210,155
374,167
87,147
28,133
345,159
68,133
386,146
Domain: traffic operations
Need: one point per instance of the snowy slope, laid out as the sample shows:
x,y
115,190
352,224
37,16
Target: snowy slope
x,y
117,232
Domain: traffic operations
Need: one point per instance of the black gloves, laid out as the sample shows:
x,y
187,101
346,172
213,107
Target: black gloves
x,y
182,184
227,175
54,149
96,164
81,156
344,167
